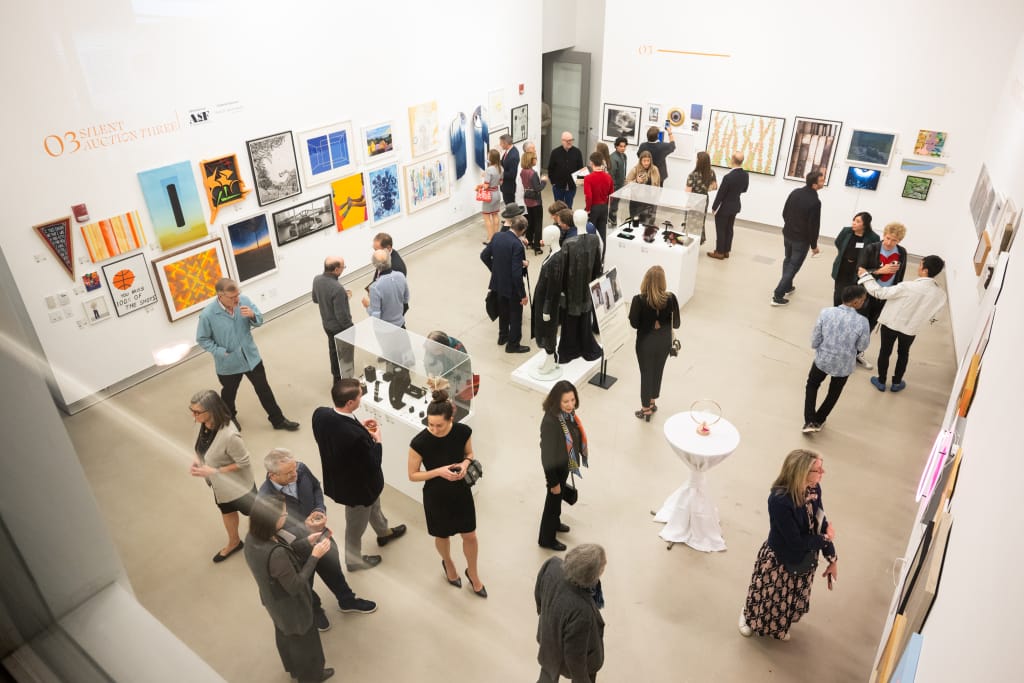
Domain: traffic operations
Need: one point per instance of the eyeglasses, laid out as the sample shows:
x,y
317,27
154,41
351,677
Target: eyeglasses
x,y
197,412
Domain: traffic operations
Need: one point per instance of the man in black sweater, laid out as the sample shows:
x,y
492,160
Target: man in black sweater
x,y
659,150
801,220
563,162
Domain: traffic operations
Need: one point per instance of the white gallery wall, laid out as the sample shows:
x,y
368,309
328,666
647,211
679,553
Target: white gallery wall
x,y
123,77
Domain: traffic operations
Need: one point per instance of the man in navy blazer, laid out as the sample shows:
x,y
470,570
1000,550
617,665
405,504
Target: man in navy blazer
x,y
350,455
509,168
727,205
505,257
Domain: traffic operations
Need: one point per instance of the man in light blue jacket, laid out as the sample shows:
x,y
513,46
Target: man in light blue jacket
x,y
225,330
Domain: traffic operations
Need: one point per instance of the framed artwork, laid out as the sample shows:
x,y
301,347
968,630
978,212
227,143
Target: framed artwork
x,y
187,278
813,148
654,113
493,136
496,107
922,166
378,142
758,137
96,309
863,178
173,203
424,129
130,284
91,281
385,193
349,201
481,137
675,117
274,168
929,143
621,121
871,148
520,123
327,153
982,186
996,210
685,147
916,187
113,236
426,182
57,237
981,252
221,183
252,250
1004,227
303,219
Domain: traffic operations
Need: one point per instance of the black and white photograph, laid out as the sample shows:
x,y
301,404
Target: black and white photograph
x,y
813,148
621,121
303,219
520,123
274,167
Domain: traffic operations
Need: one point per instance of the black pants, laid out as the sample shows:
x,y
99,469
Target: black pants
x,y
258,377
301,655
346,356
835,387
724,223
613,212
552,515
872,308
889,338
599,217
510,320
652,353
328,568
534,218
508,193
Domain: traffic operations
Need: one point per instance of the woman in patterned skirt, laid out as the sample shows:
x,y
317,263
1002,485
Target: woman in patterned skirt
x,y
780,588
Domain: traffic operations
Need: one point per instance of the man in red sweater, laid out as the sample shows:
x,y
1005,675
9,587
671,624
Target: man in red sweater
x,y
596,187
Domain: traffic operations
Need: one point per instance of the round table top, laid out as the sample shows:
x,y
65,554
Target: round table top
x,y
681,433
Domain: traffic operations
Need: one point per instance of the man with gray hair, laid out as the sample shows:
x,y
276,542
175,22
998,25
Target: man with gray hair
x,y
225,330
570,629
389,292
335,314
307,520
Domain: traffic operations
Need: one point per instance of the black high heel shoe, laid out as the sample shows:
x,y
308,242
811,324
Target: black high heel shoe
x,y
654,408
457,581
483,589
643,414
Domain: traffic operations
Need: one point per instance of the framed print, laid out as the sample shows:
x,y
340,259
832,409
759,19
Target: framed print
x,y
424,129
426,182
327,153
813,148
252,250
496,107
863,178
385,193
916,187
758,137
981,252
982,186
130,284
922,166
621,121
349,201
654,114
274,168
187,278
493,136
520,123
113,236
930,143
303,219
173,203
871,148
221,183
57,237
378,142
96,309
91,281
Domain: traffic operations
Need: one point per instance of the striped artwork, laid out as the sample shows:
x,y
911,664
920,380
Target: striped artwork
x,y
112,236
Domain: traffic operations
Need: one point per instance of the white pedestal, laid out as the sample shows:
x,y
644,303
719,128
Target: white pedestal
x,y
577,372
633,258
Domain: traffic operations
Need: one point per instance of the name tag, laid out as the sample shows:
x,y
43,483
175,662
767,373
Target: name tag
x,y
860,245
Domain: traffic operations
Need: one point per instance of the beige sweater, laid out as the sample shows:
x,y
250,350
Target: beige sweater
x,y
228,448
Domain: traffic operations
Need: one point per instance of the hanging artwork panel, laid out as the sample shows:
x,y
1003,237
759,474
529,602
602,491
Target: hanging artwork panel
x,y
813,148
916,188
930,143
130,284
96,309
57,237
113,236
327,153
385,193
222,183
187,278
481,138
758,137
457,143
426,182
520,123
378,142
923,166
871,148
173,203
274,169
349,201
303,219
251,248
621,120
424,129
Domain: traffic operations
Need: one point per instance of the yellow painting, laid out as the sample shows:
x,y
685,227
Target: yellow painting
x,y
757,137
349,201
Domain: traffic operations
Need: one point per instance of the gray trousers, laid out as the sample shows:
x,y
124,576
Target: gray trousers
x,y
356,519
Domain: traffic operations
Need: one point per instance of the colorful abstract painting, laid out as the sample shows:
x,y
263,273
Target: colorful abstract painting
x,y
378,142
274,168
424,129
930,143
349,201
187,278
303,219
113,236
757,137
385,192
813,148
173,203
252,250
426,182
327,153
130,284
221,183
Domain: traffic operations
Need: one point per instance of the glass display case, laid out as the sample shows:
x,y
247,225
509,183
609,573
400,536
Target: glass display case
x,y
651,213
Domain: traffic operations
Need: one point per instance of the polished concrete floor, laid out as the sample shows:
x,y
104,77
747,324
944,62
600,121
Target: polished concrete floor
x,y
670,614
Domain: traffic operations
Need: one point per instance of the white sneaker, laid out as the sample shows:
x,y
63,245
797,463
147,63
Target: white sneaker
x,y
745,630
864,362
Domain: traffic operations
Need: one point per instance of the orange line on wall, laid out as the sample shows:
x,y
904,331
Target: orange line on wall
x,y
699,54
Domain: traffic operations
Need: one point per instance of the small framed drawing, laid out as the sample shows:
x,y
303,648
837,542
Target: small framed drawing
x,y
654,113
130,284
916,187
981,252
378,142
327,153
385,193
303,219
274,168
871,148
96,309
187,278
252,250
520,123
621,121
427,182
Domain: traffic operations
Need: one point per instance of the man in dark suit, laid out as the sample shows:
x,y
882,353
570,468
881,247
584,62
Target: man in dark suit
x,y
350,455
307,518
801,220
505,257
727,205
509,168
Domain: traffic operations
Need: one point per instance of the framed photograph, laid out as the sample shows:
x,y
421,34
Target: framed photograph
x,y
871,148
222,183
916,187
813,148
113,236
173,203
187,278
327,153
56,235
922,166
1004,227
863,178
621,121
303,219
759,137
424,129
981,189
378,142
130,284
96,309
252,250
349,202
520,123
274,168
981,252
493,136
426,182
654,113
930,143
385,193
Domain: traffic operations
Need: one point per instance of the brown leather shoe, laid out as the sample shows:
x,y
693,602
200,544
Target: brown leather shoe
x,y
716,255
726,254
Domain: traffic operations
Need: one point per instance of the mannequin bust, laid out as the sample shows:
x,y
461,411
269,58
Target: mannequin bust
x,y
581,220
548,370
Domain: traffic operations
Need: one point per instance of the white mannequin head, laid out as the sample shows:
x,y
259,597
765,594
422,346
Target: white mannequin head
x,y
579,217
551,235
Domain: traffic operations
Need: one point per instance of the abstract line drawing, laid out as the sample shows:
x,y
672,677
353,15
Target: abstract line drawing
x,y
327,153
757,137
385,193
57,237
426,182
930,143
424,129
187,278
520,123
349,201
130,284
173,203
274,168
222,183
379,142
813,148
303,219
251,248
113,236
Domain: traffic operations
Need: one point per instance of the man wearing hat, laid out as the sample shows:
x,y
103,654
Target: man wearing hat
x,y
511,211
505,257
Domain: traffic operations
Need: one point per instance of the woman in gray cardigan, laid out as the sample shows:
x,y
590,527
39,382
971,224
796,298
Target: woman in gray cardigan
x,y
286,591
223,460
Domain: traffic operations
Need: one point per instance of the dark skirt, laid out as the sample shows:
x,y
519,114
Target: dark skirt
x,y
302,656
776,598
241,504
448,507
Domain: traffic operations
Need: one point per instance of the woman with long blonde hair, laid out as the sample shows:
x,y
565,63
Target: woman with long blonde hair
x,y
644,173
653,313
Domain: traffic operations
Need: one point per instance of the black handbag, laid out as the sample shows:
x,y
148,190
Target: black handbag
x,y
473,472
570,494
805,566
491,304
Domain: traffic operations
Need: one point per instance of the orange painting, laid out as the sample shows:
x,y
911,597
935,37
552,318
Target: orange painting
x,y
349,201
112,236
188,277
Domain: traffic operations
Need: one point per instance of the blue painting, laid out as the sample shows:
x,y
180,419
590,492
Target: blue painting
x,y
385,195
174,206
863,178
326,153
251,248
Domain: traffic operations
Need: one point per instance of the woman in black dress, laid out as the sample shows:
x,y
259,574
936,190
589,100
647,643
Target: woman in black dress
x,y
439,456
563,448
654,313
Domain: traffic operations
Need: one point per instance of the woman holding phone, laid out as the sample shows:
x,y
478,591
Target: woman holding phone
x,y
439,456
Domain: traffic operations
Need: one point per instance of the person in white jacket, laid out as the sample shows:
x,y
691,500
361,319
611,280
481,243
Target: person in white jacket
x,y
910,305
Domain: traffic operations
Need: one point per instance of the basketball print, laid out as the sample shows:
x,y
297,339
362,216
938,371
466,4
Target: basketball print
x,y
123,279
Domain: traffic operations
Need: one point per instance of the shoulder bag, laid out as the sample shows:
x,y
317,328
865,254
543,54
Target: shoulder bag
x,y
483,193
473,472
